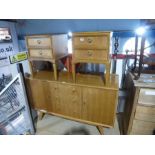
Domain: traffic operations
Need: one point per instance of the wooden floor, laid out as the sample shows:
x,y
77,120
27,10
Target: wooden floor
x,y
52,125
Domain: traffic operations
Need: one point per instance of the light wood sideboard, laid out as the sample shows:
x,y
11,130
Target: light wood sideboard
x,y
88,100
50,48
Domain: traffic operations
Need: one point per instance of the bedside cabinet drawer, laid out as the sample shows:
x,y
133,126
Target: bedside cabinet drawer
x,y
41,53
91,55
147,97
95,42
39,42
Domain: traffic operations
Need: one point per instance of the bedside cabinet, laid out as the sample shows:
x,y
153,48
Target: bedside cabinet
x,y
91,47
50,48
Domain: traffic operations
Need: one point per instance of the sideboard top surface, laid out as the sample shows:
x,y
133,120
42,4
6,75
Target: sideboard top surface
x,y
82,79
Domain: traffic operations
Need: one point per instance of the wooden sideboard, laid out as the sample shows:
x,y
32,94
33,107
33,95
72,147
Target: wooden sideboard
x,y
139,112
88,100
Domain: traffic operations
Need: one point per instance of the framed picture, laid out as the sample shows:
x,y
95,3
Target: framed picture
x,y
5,35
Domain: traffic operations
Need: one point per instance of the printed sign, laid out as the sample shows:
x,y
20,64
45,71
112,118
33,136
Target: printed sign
x,y
18,57
4,61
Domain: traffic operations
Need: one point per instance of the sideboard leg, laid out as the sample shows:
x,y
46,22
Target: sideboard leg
x,y
40,115
100,129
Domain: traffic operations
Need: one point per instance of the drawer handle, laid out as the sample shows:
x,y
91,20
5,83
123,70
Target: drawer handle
x,y
40,52
73,90
90,40
39,41
90,53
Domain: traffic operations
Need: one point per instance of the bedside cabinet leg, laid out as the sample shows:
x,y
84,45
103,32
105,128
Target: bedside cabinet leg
x,y
31,68
73,71
55,71
100,129
107,76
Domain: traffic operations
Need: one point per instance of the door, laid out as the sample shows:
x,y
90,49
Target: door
x,y
54,104
38,92
70,101
99,105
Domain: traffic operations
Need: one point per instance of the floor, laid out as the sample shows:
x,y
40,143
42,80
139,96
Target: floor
x,y
52,125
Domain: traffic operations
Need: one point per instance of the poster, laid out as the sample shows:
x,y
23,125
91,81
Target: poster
x,y
5,77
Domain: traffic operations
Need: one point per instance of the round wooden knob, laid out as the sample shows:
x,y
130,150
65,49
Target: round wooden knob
x,y
39,41
40,52
90,53
89,40
73,90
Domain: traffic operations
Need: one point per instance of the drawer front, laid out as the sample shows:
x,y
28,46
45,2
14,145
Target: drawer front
x,y
143,125
95,42
141,132
39,42
91,55
147,97
145,110
41,53
145,113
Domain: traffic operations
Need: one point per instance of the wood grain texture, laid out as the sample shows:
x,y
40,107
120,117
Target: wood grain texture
x,y
41,53
145,113
99,105
91,55
91,42
78,101
91,47
147,97
146,127
139,114
100,129
42,41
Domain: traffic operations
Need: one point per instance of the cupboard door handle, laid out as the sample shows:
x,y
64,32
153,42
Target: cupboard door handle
x,y
90,53
39,41
73,90
84,102
40,52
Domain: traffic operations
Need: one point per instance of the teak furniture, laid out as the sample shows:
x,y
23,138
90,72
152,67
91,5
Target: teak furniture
x,y
139,114
88,100
91,47
50,48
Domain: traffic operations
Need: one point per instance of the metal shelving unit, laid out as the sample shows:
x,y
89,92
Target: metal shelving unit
x,y
15,117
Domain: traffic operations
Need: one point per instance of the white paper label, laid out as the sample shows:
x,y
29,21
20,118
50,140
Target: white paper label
x,y
150,93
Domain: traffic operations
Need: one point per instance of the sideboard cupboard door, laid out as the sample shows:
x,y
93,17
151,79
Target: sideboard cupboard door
x,y
99,105
38,94
70,100
54,104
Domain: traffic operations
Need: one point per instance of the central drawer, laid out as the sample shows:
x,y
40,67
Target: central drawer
x,y
88,42
94,55
41,53
39,42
